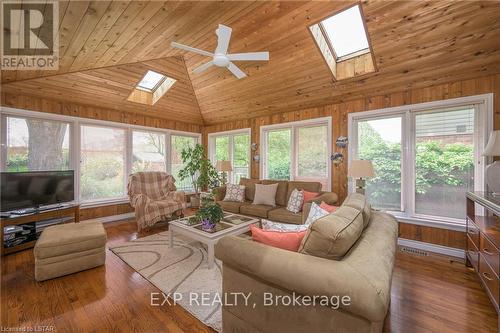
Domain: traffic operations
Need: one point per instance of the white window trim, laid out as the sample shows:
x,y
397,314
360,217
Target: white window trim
x,y
231,134
484,123
293,125
75,144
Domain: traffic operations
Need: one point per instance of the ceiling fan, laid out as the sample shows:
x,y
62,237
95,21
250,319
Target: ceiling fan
x,y
220,57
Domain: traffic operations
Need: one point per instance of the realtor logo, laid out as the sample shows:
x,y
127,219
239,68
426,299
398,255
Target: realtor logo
x,y
30,38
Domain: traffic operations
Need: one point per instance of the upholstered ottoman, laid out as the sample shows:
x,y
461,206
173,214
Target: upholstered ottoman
x,y
68,248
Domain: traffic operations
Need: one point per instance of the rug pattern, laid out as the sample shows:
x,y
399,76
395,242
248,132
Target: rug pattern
x,y
182,269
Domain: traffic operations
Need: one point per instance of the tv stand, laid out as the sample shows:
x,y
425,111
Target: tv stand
x,y
32,216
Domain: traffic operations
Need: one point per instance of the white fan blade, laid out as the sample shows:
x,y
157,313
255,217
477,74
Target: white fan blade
x,y
202,68
236,71
224,35
191,49
251,56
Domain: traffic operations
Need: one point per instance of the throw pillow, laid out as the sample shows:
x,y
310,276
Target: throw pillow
x,y
327,207
295,202
265,194
308,196
332,236
235,193
283,227
284,240
315,213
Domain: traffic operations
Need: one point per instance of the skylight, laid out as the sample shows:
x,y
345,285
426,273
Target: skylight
x,y
346,32
151,81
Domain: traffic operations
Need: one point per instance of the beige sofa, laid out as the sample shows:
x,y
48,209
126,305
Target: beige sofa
x,y
277,213
364,274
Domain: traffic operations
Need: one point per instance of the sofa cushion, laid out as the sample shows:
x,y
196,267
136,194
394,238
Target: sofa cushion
x,y
286,240
308,186
284,215
249,187
281,193
232,206
333,235
235,193
295,201
278,226
315,213
265,194
69,238
358,201
256,210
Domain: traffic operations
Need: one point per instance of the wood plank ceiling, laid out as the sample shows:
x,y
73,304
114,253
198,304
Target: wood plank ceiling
x,y
415,44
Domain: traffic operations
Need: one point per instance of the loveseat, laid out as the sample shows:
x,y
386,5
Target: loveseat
x,y
273,277
277,213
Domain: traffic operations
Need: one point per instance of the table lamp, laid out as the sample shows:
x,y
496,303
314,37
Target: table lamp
x,y
224,167
360,169
492,175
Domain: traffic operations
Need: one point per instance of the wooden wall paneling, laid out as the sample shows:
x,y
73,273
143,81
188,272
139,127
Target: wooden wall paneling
x,y
438,236
92,112
103,211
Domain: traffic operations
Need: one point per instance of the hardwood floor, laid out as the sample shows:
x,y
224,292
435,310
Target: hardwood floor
x,y
429,294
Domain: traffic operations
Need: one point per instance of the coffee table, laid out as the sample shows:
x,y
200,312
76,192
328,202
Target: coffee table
x,y
231,224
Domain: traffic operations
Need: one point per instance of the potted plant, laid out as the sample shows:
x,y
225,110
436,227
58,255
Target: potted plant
x,y
199,169
210,214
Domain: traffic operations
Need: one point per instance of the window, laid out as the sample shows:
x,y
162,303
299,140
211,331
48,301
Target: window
x,y
312,154
425,156
346,32
151,81
101,153
444,161
343,42
102,173
232,146
178,143
151,88
298,151
278,154
379,140
148,151
37,145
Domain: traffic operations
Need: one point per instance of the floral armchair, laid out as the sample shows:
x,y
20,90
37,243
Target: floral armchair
x,y
154,198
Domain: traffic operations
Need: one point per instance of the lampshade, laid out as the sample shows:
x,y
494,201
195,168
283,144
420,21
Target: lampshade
x,y
493,146
361,169
224,166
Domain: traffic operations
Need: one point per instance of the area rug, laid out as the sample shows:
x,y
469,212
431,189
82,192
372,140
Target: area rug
x,y
182,270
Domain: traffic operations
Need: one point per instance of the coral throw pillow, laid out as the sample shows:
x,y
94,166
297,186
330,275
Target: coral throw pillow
x,y
327,207
308,196
284,240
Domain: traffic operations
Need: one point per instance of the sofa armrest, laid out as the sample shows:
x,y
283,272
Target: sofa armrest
x,y
328,197
219,193
304,274
179,196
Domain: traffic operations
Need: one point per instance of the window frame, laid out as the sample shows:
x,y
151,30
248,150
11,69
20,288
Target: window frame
x,y
75,145
293,126
483,122
231,134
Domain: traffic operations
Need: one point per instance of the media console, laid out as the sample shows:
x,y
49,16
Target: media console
x,y
20,231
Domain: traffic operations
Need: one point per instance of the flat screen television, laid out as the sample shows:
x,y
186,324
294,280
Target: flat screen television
x,y
35,189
